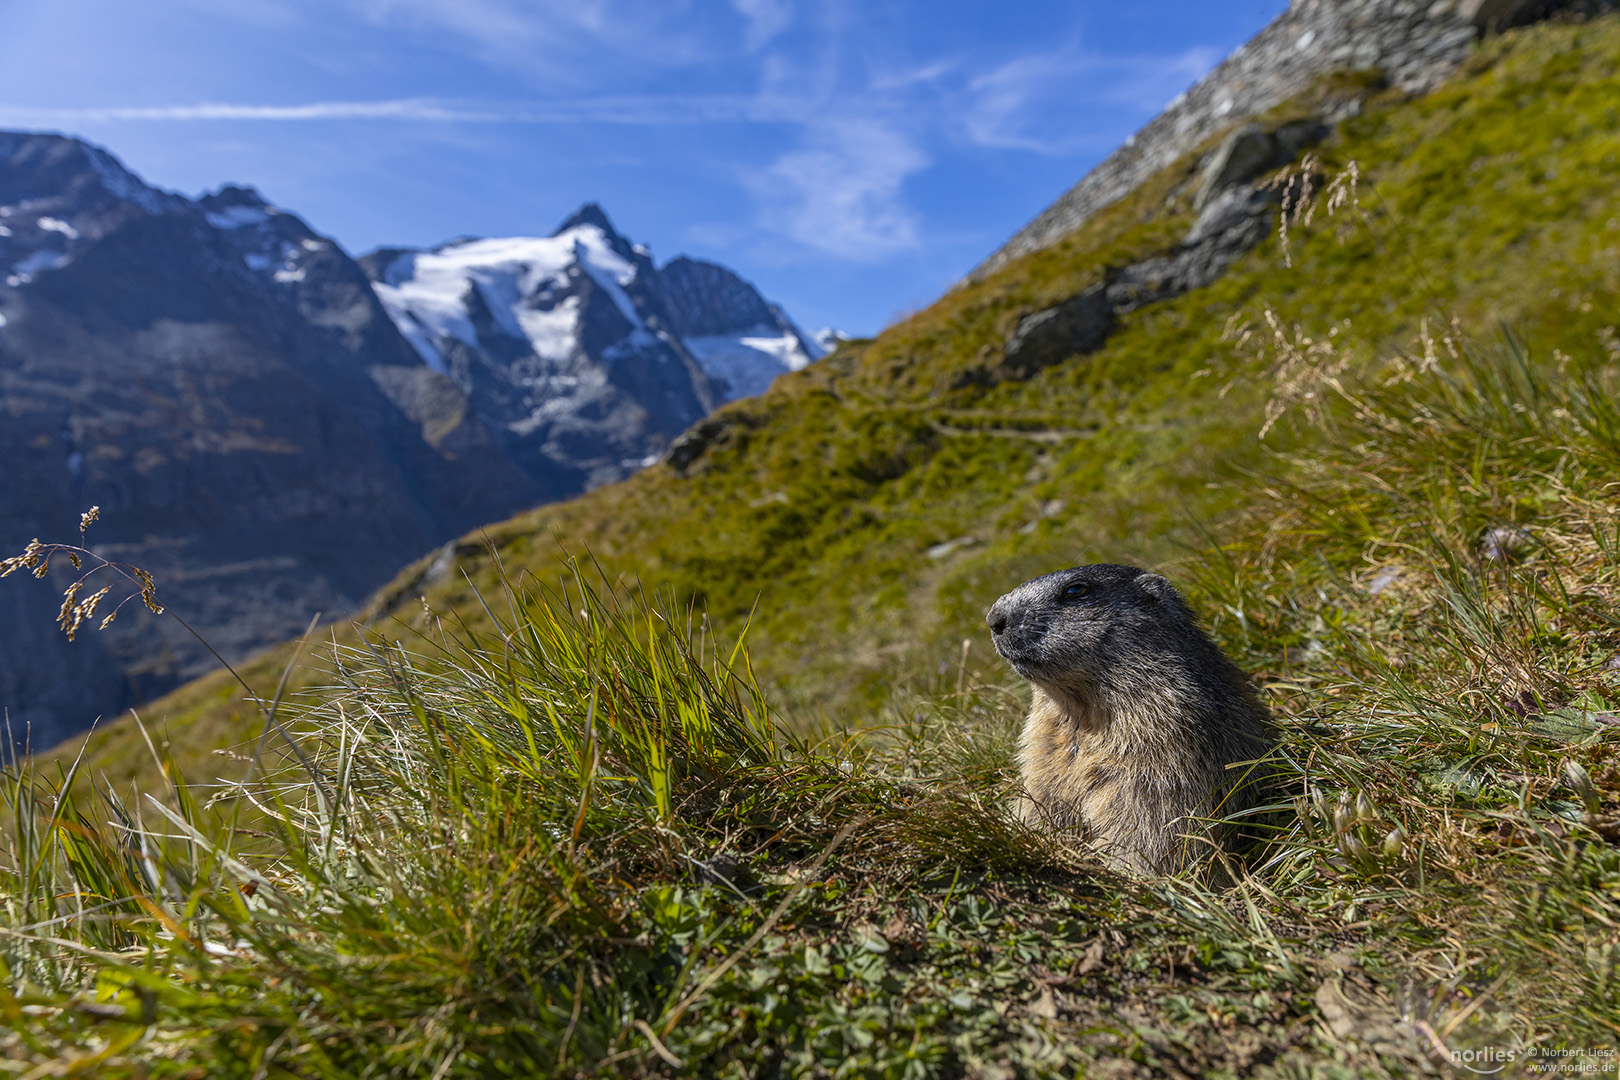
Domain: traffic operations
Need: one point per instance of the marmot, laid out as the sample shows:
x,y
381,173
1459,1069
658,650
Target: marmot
x,y
1139,722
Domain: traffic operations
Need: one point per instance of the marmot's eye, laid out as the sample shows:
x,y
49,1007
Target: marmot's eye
x,y
1078,589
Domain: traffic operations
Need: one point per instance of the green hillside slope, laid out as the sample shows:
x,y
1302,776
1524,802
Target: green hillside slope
x,y
869,508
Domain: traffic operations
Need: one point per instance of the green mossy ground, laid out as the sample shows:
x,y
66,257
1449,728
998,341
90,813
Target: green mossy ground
x,y
478,902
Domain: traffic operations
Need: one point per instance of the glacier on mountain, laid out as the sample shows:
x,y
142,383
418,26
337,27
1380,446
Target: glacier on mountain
x,y
747,362
523,287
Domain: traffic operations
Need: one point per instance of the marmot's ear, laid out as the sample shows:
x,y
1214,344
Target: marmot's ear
x,y
1157,587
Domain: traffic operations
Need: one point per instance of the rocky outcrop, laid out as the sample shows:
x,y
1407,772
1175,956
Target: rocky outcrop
x,y
694,442
1238,204
1415,44
1250,151
1234,219
1078,325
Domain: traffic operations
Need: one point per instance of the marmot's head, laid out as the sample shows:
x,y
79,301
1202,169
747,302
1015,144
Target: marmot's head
x,y
1074,631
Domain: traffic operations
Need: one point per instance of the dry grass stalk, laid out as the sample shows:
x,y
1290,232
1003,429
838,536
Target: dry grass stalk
x,y
74,613
1298,184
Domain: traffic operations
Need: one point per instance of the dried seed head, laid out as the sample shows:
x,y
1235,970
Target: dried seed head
x,y
94,601
148,590
1343,815
1364,809
1304,371
1341,190
28,559
1576,776
1302,810
88,518
69,618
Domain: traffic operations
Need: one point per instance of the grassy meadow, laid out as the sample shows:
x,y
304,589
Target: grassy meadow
x,y
707,774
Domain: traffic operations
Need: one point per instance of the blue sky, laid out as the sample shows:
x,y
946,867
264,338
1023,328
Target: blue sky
x,y
852,159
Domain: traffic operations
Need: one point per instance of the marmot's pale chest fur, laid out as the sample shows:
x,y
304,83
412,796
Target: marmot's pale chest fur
x,y
1140,725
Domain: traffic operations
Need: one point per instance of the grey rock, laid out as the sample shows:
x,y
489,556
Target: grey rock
x,y
1383,579
1296,136
1415,46
1078,325
1235,208
1506,543
1241,157
1496,15
1234,222
695,442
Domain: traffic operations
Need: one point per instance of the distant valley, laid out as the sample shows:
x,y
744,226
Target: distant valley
x,y
274,428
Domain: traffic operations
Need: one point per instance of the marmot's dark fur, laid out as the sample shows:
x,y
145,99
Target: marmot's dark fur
x,y
1140,724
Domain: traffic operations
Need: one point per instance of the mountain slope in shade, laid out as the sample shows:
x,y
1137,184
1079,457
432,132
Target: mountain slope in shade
x,y
582,356
220,380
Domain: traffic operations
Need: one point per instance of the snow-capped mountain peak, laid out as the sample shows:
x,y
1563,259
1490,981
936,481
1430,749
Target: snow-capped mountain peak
x,y
533,328
435,296
270,241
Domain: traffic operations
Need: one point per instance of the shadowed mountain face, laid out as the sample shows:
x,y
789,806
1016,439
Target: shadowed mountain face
x,y
229,388
211,375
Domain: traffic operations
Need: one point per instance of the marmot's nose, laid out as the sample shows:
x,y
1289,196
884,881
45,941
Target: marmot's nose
x,y
1002,616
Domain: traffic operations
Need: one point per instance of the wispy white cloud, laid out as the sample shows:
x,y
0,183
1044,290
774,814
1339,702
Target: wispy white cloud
x,y
1000,102
1038,102
841,192
629,109
766,19
495,23
555,42
417,109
